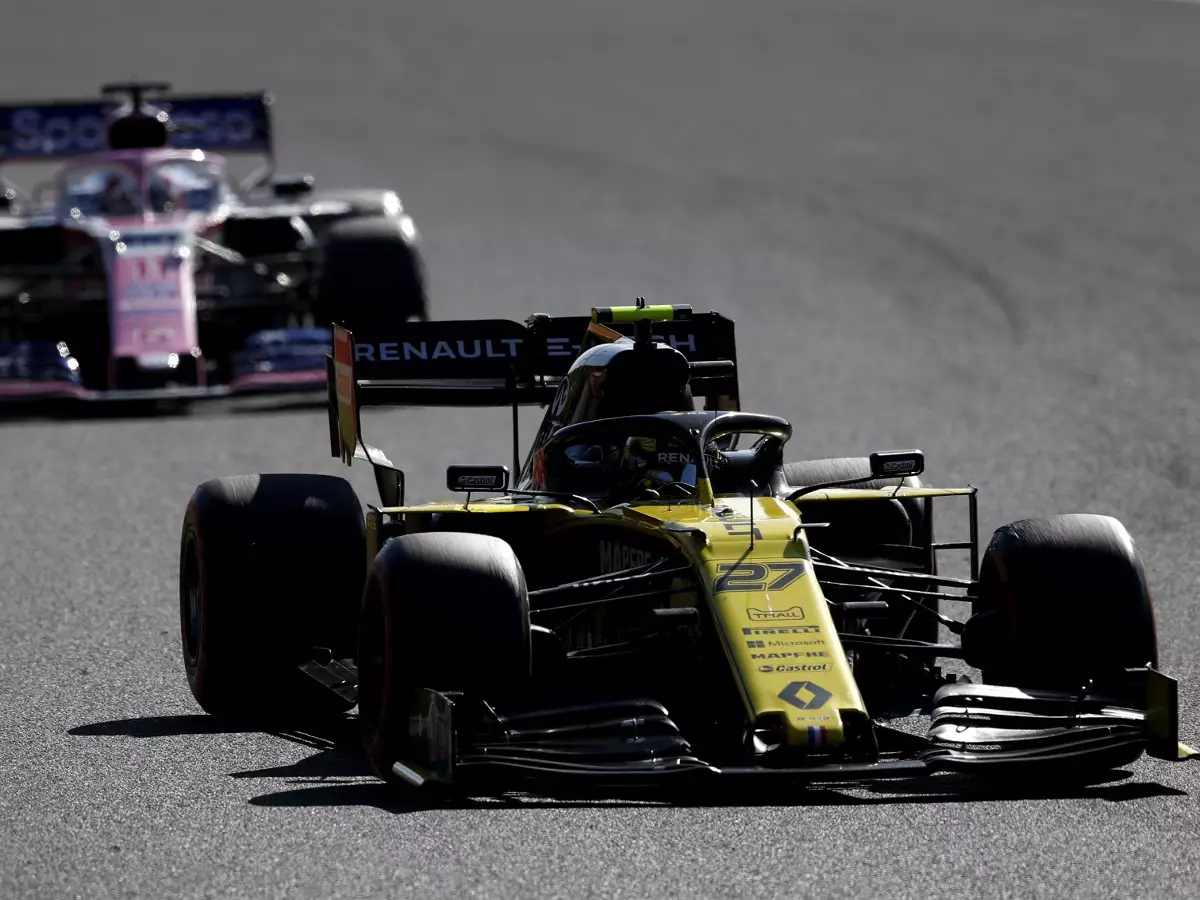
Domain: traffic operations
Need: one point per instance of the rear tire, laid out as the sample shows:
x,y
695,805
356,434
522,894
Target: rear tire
x,y
271,566
1064,599
371,274
445,611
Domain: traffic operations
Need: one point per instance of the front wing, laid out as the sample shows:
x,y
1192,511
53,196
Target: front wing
x,y
986,730
275,361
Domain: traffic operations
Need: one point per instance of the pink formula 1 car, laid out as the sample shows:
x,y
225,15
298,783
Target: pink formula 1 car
x,y
143,269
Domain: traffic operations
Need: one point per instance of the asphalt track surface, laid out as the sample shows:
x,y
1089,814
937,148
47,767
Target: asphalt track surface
x,y
970,227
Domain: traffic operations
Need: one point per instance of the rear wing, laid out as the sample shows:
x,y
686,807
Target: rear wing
x,y
498,363
61,129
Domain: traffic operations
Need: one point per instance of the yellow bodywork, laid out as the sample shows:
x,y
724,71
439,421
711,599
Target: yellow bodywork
x,y
772,617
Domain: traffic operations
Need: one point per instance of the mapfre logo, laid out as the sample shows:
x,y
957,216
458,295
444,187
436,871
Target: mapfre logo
x,y
617,557
791,614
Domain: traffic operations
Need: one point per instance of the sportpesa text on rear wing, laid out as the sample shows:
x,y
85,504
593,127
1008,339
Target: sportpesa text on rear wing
x,y
498,362
59,129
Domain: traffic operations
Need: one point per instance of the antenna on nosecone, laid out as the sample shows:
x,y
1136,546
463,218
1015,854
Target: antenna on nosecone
x,y
753,488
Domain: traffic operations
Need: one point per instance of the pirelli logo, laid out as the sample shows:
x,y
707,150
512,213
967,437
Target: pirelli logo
x,y
792,629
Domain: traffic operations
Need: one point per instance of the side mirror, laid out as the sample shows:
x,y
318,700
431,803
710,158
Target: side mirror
x,y
292,185
884,464
476,478
390,483
897,463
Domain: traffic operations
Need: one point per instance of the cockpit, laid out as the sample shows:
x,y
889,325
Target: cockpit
x,y
118,190
619,460
663,457
108,190
184,186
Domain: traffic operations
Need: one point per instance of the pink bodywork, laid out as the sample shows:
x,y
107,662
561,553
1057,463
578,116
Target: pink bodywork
x,y
151,260
151,273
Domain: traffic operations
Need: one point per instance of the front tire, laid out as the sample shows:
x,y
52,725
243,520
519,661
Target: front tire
x,y
444,611
1064,599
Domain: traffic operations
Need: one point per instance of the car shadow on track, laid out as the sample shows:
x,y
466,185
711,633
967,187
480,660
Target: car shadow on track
x,y
338,774
338,752
931,790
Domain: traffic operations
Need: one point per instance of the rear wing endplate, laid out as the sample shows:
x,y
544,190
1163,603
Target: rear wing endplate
x,y
344,424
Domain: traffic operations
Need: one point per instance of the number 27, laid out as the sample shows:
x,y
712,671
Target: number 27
x,y
753,576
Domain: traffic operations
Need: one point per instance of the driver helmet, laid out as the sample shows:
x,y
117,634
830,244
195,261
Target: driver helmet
x,y
624,378
611,380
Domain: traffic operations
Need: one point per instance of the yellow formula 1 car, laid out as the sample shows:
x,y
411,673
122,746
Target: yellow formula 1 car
x,y
656,596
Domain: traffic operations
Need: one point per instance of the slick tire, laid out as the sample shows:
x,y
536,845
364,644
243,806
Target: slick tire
x,y
371,274
1063,599
271,567
854,524
444,611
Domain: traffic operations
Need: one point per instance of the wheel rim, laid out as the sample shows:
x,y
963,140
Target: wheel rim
x,y
190,603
